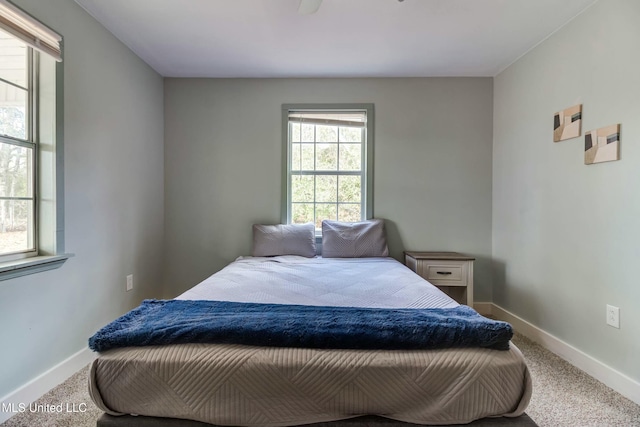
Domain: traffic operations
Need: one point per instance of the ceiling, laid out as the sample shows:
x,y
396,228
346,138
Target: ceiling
x,y
344,38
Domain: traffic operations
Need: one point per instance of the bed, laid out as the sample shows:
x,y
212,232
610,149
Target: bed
x,y
228,384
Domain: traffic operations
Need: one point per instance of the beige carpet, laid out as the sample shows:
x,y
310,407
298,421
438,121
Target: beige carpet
x,y
562,396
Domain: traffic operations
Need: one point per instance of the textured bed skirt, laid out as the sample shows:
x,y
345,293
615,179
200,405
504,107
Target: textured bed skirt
x,y
235,385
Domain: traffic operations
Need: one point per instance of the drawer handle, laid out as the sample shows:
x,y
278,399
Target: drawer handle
x,y
443,272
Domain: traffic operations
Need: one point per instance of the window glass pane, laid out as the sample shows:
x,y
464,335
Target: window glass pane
x,y
326,157
326,188
301,213
325,211
295,132
349,212
16,226
302,188
16,171
308,134
350,157
349,134
295,157
13,111
326,133
350,189
308,163
13,60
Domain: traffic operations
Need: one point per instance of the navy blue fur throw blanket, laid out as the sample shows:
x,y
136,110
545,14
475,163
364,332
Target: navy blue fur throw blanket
x,y
158,322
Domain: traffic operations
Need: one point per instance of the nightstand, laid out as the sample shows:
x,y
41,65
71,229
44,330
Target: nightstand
x,y
451,272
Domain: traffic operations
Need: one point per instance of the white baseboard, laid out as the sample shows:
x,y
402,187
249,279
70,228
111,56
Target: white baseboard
x,y
484,308
618,381
34,389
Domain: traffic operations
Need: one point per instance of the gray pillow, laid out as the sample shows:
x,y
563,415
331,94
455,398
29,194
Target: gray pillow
x,y
281,239
354,239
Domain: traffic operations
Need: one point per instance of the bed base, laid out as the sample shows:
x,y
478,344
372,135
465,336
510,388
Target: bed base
x,y
107,420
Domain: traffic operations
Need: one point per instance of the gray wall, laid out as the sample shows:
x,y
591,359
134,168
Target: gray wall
x,y
565,235
114,196
223,151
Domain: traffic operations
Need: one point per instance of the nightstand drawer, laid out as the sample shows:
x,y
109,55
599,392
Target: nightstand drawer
x,y
452,273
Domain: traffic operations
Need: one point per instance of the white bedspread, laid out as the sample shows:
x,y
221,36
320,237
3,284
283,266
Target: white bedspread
x,y
343,282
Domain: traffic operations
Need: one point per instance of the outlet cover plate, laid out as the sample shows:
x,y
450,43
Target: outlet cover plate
x,y
129,282
613,316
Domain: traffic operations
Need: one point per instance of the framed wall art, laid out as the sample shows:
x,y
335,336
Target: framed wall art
x,y
602,145
567,123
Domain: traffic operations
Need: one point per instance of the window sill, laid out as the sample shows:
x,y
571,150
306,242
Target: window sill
x,y
23,267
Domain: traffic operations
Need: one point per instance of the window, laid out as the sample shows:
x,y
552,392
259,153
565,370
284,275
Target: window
x,y
328,163
31,212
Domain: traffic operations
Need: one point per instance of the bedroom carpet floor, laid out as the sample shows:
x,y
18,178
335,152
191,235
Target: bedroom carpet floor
x,y
562,396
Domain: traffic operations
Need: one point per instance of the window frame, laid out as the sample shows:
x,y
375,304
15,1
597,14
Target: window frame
x,y
47,105
367,162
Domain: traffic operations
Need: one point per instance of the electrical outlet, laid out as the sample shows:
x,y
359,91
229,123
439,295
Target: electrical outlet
x,y
613,316
129,282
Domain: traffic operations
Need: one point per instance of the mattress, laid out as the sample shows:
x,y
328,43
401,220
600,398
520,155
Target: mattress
x,y
227,384
342,282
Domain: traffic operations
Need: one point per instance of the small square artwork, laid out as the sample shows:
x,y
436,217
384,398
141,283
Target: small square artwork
x,y
566,123
602,145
